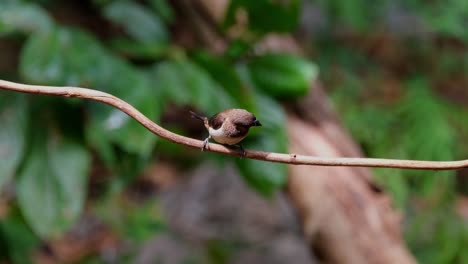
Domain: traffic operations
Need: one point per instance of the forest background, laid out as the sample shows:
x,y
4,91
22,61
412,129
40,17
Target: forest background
x,y
81,182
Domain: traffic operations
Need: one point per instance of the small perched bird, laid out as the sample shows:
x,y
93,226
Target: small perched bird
x,y
228,127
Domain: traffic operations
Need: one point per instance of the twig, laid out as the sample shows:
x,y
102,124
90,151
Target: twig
x,y
295,159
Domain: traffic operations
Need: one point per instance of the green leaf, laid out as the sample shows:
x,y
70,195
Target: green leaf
x,y
24,17
282,75
139,22
184,82
67,56
358,14
139,50
447,18
266,177
13,120
114,126
167,76
17,241
51,186
226,75
420,111
237,49
219,70
394,182
163,8
205,93
266,15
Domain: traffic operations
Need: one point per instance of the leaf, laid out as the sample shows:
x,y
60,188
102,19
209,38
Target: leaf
x,y
13,120
219,70
114,126
237,49
16,239
65,56
168,78
133,49
445,18
184,82
266,177
205,93
226,75
266,15
23,17
420,112
51,186
394,182
73,57
163,8
139,22
282,75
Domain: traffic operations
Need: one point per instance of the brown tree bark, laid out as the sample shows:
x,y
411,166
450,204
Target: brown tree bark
x,y
345,217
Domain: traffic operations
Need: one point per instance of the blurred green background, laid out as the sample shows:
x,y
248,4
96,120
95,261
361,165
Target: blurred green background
x,y
395,70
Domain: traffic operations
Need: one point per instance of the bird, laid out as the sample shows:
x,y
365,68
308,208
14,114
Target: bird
x,y
228,127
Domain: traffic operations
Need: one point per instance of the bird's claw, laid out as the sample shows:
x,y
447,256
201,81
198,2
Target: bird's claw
x,y
205,144
243,153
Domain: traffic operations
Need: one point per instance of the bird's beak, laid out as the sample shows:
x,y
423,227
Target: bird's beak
x,y
257,123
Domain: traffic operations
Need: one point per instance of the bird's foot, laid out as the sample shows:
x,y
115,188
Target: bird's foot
x,y
242,150
205,144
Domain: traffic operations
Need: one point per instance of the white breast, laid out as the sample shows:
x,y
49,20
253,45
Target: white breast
x,y
219,136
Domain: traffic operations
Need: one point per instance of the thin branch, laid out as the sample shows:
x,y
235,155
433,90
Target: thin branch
x,y
295,159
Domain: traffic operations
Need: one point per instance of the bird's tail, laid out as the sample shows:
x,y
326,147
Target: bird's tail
x,y
197,116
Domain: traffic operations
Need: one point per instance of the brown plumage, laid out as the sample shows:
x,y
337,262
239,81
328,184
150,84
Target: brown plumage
x,y
228,127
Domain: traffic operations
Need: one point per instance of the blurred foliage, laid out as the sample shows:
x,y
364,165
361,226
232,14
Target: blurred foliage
x,y
265,16
396,73
393,70
282,75
47,144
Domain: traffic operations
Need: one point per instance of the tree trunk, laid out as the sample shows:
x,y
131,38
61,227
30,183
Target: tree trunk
x,y
345,217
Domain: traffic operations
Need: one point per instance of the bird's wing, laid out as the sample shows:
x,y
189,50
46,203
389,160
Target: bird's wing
x,y
216,121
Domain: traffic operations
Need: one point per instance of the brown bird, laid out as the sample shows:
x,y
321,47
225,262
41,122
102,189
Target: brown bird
x,y
228,127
